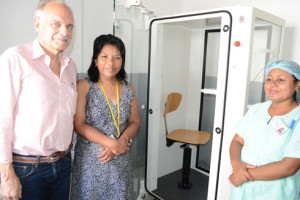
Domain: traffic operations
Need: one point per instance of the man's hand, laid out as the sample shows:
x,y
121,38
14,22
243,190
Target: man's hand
x,y
11,188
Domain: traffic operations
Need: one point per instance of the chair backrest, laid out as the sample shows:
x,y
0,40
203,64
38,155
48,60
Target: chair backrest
x,y
173,102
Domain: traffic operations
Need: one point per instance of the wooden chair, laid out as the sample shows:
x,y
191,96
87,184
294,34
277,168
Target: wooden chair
x,y
186,136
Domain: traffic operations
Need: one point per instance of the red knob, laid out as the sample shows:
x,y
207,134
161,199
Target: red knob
x,y
237,43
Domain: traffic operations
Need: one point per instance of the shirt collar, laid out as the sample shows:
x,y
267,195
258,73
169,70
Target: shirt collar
x,y
39,52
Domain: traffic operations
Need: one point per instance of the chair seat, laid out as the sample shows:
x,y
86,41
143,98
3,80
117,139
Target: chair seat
x,y
189,136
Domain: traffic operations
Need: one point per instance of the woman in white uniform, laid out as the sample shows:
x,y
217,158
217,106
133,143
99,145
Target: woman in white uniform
x,y
265,152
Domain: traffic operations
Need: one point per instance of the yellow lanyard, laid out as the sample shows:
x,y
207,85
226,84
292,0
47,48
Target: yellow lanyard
x,y
112,114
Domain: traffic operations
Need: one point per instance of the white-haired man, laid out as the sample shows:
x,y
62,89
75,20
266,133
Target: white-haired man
x,y
38,89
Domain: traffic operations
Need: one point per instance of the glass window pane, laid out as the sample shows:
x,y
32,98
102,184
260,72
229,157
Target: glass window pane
x,y
207,110
266,44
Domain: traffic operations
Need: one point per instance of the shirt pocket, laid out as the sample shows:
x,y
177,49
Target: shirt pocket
x,y
69,100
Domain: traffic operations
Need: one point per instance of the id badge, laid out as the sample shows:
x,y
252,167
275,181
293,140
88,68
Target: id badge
x,y
279,126
111,136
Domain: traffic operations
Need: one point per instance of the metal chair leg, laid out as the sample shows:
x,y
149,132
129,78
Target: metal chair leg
x,y
186,167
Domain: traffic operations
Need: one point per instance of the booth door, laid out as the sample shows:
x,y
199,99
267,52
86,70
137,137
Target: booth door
x,y
187,54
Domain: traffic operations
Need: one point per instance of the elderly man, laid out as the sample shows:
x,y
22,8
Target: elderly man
x,y
37,105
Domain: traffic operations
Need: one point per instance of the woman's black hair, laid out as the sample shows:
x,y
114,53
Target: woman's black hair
x,y
99,43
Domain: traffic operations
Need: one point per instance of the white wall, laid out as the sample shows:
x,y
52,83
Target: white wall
x,y
92,18
17,25
163,7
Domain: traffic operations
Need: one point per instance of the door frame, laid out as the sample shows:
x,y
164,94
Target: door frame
x,y
154,111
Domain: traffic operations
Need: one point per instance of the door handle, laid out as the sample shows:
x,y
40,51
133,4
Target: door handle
x,y
218,130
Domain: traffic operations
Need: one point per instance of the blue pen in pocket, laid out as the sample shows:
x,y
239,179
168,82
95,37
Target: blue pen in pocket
x,y
292,124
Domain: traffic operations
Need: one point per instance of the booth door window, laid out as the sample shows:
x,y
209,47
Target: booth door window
x,y
207,108
266,47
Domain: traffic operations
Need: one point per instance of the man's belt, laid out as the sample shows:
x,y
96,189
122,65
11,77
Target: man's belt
x,y
40,159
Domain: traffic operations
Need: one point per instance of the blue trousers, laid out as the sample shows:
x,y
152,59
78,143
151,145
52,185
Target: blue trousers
x,y
45,181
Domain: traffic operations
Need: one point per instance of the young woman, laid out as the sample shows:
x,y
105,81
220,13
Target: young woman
x,y
265,152
106,119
